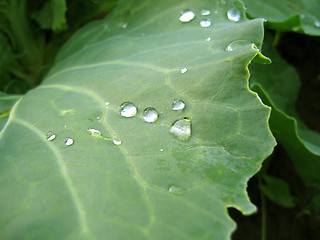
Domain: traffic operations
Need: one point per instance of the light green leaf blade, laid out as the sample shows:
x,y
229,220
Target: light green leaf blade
x,y
278,85
6,103
293,15
153,185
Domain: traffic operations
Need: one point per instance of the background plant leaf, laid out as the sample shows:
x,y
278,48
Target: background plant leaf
x,y
278,85
153,185
293,15
6,103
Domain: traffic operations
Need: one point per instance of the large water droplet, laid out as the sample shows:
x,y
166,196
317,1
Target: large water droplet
x,y
50,136
174,189
317,23
127,109
184,70
186,16
237,44
117,141
150,115
234,14
178,104
181,129
205,12
68,142
94,132
205,23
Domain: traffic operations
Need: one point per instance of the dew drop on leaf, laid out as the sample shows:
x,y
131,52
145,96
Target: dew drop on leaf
x,y
107,103
181,129
50,136
178,104
174,189
205,12
69,141
94,132
128,109
234,14
205,23
150,115
117,141
208,39
161,150
317,23
124,25
184,70
237,44
187,16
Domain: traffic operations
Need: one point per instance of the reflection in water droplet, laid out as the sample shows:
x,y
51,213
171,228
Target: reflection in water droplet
x,y
69,141
178,104
174,189
237,44
317,23
50,136
181,129
107,103
127,109
186,16
234,14
205,12
184,70
94,132
205,23
150,115
208,39
117,142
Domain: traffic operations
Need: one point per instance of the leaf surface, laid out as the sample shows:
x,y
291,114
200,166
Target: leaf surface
x,y
293,15
278,85
153,185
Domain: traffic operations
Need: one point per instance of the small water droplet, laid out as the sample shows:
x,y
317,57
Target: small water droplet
x,y
216,11
107,103
94,132
127,109
186,16
124,25
178,104
174,189
181,129
205,23
237,44
205,12
69,141
303,15
161,149
150,115
65,126
50,136
317,23
208,39
184,70
117,141
234,14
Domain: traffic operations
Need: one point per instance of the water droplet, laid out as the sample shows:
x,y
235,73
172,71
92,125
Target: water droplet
x,y
98,118
208,39
127,109
178,104
181,129
234,14
237,44
50,136
184,70
107,103
205,12
69,141
150,115
161,149
65,126
124,25
205,23
116,141
174,189
216,11
186,16
94,132
303,15
317,23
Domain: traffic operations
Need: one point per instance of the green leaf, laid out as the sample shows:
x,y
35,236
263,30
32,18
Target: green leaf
x,y
294,15
278,85
277,190
152,185
6,103
52,15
